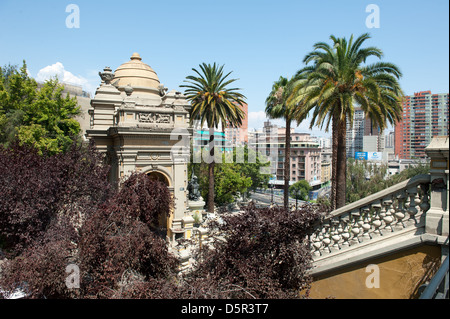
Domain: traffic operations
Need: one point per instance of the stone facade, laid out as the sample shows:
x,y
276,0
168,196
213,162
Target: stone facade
x,y
143,128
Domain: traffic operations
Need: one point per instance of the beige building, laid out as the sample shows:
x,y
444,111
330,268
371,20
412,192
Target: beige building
x,y
143,128
305,154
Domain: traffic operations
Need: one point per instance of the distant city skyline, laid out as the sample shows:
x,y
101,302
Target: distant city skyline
x,y
258,40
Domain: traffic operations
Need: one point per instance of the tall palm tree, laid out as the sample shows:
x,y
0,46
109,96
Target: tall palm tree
x,y
216,104
277,106
339,80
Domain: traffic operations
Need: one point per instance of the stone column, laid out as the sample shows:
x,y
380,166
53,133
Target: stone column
x,y
437,218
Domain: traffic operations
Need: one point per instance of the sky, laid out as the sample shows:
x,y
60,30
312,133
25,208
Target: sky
x,y
258,41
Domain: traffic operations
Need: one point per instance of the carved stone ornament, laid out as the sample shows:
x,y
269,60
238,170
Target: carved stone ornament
x,y
146,118
162,90
163,118
128,90
107,75
179,108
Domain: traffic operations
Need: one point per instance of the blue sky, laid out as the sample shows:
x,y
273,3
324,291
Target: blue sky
x,y
257,40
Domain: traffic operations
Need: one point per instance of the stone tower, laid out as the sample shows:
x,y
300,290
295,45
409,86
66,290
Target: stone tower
x,y
143,128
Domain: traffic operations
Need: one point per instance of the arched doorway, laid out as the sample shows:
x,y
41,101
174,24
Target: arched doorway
x,y
159,177
165,221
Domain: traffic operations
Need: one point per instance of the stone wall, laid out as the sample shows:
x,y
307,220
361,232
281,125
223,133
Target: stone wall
x,y
400,276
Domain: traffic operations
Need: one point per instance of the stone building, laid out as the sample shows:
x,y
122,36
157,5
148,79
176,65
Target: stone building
x,y
144,128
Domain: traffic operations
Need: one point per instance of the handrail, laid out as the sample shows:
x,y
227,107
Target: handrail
x,y
431,288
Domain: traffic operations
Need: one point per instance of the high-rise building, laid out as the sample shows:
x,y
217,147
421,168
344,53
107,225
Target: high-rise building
x,y
364,135
355,133
424,115
389,140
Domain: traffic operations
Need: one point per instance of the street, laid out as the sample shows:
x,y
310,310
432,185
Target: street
x,y
264,199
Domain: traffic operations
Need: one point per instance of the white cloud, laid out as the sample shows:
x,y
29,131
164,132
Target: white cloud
x,y
57,70
256,119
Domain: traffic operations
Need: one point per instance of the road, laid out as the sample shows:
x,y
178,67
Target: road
x,y
265,199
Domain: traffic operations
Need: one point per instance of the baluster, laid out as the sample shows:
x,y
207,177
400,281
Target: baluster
x,y
346,231
376,222
417,201
340,230
317,243
382,216
412,210
335,235
326,237
425,204
365,224
320,237
400,213
388,219
355,227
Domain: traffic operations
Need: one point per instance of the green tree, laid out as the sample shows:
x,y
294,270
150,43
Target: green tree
x,y
300,190
258,171
232,176
17,93
229,181
213,103
277,107
49,122
365,178
41,117
339,80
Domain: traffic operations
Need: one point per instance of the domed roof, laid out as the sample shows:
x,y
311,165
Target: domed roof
x,y
136,73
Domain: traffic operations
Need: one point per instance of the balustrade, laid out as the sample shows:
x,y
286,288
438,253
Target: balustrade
x,y
377,215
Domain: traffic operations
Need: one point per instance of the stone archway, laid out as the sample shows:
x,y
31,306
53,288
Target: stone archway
x,y
165,221
154,175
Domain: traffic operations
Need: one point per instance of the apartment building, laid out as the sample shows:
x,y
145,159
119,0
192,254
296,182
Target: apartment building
x,y
305,159
424,115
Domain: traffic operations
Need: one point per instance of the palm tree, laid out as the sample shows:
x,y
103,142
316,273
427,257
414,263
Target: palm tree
x,y
278,107
216,104
338,81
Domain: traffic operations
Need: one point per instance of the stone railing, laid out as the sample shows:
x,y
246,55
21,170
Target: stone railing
x,y
391,210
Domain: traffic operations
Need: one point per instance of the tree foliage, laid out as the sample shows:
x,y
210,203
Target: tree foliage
x,y
339,80
365,178
300,190
263,254
235,174
277,107
45,200
42,117
39,191
117,244
214,103
60,210
257,168
121,239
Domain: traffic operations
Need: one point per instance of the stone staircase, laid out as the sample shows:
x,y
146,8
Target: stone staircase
x,y
409,214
